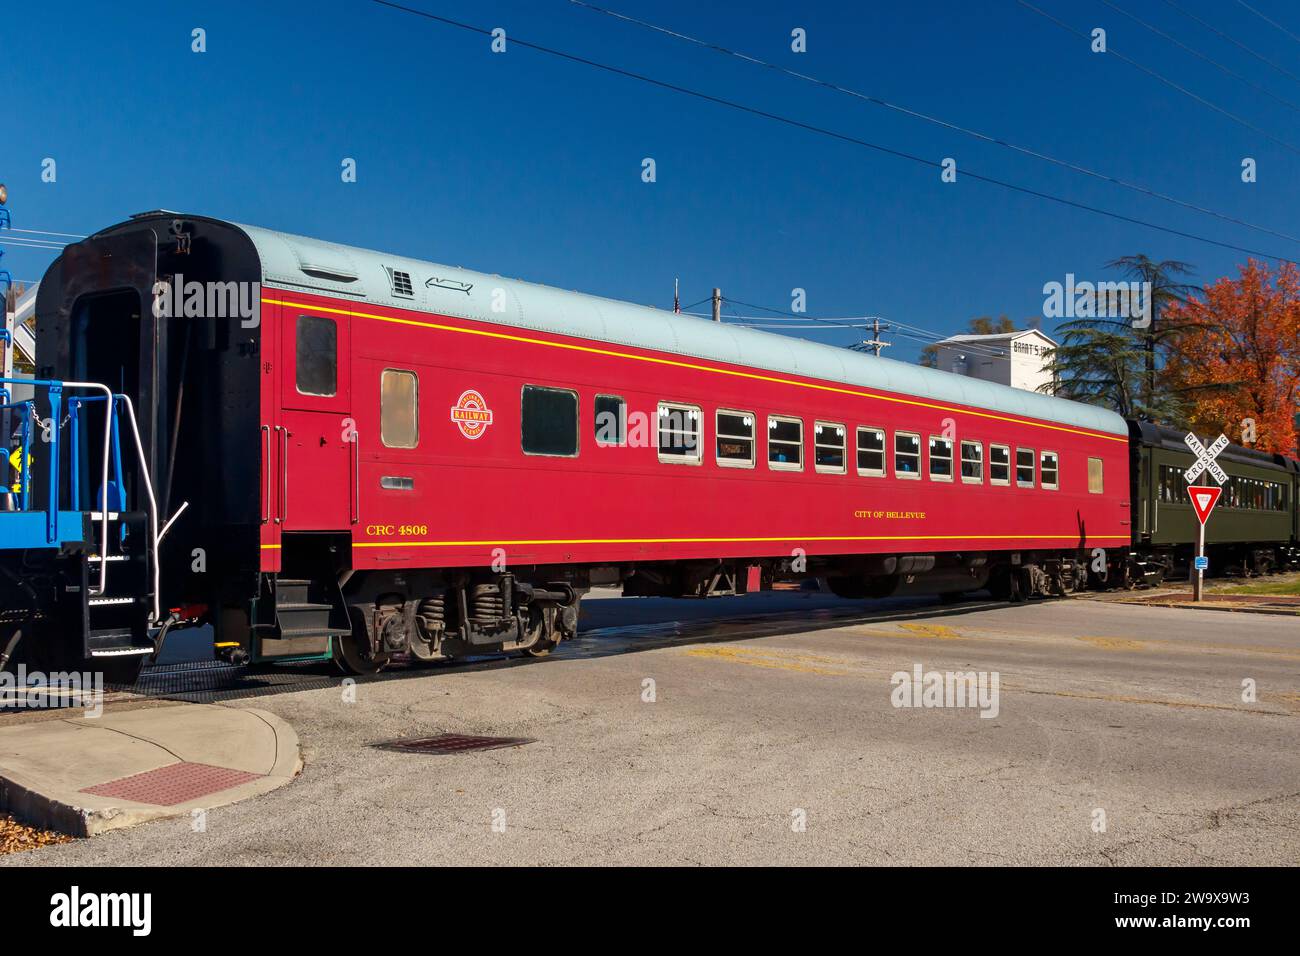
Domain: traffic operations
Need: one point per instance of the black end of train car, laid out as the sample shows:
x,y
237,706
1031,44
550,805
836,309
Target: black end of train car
x,y
164,310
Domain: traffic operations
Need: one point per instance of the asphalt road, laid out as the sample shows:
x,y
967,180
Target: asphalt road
x,y
1121,737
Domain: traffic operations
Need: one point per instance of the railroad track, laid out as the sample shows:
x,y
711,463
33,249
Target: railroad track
x,y
214,681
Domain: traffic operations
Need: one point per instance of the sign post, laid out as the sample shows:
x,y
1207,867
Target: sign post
x,y
1204,498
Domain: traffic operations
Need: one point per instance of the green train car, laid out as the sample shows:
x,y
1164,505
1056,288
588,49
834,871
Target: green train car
x,y
1254,528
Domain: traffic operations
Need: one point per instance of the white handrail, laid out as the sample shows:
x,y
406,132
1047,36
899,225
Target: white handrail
x,y
153,505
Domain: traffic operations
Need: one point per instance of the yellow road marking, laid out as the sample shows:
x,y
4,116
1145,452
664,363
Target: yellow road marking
x,y
1112,643
613,353
771,659
940,631
776,660
1120,699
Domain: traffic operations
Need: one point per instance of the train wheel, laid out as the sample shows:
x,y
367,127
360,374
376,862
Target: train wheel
x,y
540,649
540,622
352,651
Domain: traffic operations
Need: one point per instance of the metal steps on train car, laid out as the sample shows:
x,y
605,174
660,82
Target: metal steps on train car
x,y
115,622
305,623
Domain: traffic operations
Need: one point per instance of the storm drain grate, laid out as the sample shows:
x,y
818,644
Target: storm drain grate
x,y
173,784
451,744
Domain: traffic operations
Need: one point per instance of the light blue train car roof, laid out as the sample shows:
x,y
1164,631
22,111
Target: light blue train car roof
x,y
296,262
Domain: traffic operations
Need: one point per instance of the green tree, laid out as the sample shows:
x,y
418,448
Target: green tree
x,y
980,325
1119,362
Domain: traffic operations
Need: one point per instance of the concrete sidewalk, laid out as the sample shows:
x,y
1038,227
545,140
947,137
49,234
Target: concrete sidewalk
x,y
84,775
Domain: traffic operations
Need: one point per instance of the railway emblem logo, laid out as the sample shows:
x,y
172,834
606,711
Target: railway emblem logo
x,y
471,414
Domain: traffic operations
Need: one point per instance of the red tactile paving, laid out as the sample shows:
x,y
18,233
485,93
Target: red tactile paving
x,y
173,784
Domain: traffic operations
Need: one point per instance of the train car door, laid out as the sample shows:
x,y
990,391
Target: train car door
x,y
318,448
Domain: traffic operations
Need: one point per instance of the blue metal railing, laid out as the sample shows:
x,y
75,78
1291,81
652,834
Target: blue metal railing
x,y
20,532
110,496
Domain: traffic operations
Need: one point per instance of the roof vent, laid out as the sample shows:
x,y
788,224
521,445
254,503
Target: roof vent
x,y
323,261
401,282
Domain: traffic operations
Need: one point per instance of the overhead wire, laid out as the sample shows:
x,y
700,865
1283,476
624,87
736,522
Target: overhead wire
x,y
843,137
1111,51
935,120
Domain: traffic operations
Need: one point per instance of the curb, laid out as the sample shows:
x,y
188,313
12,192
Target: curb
x,y
84,815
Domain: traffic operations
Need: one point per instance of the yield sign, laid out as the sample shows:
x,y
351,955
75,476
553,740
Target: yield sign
x,y
1203,500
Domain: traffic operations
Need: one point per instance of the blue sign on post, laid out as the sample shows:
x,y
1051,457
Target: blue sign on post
x,y
1202,563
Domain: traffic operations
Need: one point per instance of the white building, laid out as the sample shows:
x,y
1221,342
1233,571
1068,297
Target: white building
x,y
1018,359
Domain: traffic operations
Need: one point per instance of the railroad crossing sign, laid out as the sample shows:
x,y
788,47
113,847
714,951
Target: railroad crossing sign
x,y
1203,500
1205,459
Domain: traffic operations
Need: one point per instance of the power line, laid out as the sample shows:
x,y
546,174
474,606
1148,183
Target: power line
x,y
1111,51
1215,63
1237,43
1272,23
820,328
19,243
843,137
70,235
926,336
946,124
932,336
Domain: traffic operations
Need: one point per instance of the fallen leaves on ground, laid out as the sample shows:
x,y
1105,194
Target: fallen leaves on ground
x,y
16,837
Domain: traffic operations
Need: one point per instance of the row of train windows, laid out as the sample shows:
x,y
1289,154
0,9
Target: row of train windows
x,y
1250,494
550,427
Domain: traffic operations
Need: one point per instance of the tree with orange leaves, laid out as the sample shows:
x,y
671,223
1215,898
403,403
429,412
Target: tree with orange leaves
x,y
1238,359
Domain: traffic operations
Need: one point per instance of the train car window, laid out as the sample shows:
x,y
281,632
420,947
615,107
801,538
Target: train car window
x,y
871,451
829,440
399,408
1024,468
1096,484
679,433
735,439
940,459
1048,470
907,455
1173,489
999,465
610,421
784,443
972,462
316,356
549,421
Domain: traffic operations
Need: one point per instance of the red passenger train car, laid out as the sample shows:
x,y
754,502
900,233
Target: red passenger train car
x,y
391,458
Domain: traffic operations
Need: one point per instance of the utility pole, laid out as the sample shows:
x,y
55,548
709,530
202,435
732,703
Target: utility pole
x,y
717,305
7,321
874,343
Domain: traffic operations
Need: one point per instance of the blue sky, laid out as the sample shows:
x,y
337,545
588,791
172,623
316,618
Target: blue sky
x,y
530,166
